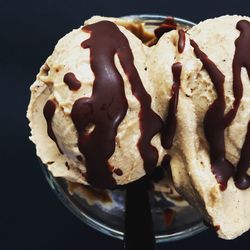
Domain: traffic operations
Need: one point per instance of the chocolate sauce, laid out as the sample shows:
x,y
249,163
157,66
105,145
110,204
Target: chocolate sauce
x,y
169,127
118,172
209,225
138,30
163,170
241,59
48,112
67,165
79,158
50,162
217,228
215,123
72,82
166,162
138,219
157,175
181,41
150,122
242,179
107,106
168,25
169,216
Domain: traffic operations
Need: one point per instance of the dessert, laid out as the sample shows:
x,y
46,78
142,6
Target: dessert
x,y
113,102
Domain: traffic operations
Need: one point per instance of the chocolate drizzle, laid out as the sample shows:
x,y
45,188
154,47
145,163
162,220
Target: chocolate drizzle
x,y
48,112
181,41
242,179
241,59
72,82
169,127
168,25
107,106
166,162
215,123
118,172
169,215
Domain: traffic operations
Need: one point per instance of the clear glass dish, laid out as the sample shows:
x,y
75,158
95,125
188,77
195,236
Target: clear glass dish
x,y
110,220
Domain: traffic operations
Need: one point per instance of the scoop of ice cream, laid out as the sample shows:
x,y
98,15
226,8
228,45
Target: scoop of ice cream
x,y
90,112
210,153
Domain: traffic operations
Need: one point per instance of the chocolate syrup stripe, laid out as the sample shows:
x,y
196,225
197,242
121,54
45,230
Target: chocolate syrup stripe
x,y
150,122
214,122
48,112
168,25
181,41
72,82
105,109
169,127
107,106
241,59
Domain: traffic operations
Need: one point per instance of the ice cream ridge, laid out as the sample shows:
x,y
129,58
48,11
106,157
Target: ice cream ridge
x,y
112,103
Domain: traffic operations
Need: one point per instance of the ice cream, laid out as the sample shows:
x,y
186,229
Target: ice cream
x,y
106,109
210,153
97,134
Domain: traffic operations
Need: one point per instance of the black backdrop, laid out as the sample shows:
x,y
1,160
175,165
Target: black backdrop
x,y
31,217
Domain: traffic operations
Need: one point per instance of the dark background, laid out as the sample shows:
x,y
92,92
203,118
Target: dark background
x,y
31,217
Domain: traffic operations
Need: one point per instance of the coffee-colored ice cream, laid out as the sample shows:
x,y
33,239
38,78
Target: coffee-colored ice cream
x,y
95,105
